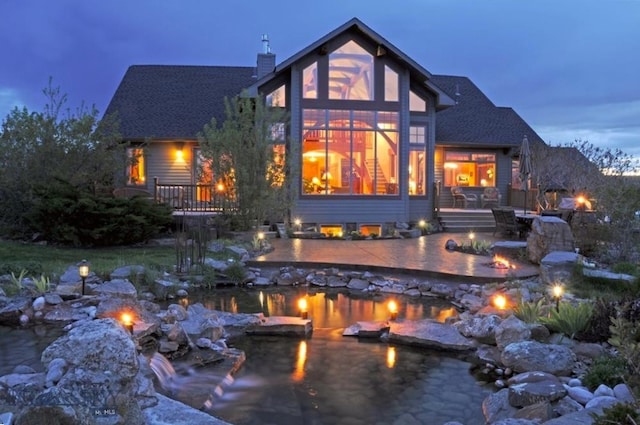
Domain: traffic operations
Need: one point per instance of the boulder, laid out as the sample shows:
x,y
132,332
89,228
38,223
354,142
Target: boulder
x,y
496,407
127,273
431,334
483,329
548,234
119,288
529,393
10,313
535,356
511,330
558,266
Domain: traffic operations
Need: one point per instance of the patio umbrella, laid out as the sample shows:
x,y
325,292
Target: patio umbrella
x,y
525,168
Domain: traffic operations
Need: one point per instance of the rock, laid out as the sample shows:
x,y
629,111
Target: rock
x,y
623,393
56,370
38,304
558,266
217,265
91,347
529,393
202,323
566,405
239,251
53,299
290,276
10,313
548,234
169,411
534,356
603,390
481,328
178,311
162,288
530,377
511,330
580,394
472,303
22,368
539,412
358,284
450,245
55,413
367,329
336,282
127,273
601,402
607,275
428,333
120,288
182,293
496,407
442,290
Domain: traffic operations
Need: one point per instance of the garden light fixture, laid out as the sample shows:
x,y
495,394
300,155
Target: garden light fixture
x,y
83,271
557,292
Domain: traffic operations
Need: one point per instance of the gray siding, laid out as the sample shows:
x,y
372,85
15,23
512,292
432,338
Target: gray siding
x,y
162,163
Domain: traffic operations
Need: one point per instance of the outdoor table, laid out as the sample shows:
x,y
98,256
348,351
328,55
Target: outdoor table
x,y
526,219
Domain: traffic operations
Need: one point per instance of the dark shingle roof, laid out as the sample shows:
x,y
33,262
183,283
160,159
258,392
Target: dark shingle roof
x,y
475,120
160,101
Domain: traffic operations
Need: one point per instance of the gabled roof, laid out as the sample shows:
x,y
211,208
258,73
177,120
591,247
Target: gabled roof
x,y
355,25
475,120
166,101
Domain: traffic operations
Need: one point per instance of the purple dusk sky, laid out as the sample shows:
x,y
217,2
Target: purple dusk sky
x,y
570,68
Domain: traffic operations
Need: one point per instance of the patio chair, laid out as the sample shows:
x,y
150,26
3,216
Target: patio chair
x,y
507,223
490,196
462,199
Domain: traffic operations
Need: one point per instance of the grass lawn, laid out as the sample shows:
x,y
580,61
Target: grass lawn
x,y
49,260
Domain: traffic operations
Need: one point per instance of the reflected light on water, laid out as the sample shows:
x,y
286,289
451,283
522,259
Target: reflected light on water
x,y
391,357
442,314
298,372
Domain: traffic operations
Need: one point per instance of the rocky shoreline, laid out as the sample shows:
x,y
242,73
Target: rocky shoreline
x,y
100,373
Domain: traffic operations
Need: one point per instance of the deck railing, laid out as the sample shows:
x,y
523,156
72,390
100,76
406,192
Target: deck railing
x,y
192,197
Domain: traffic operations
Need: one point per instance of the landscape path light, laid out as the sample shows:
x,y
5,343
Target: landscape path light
x,y
557,291
83,271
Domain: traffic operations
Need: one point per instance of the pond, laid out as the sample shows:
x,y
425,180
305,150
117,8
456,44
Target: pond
x,y
323,379
331,379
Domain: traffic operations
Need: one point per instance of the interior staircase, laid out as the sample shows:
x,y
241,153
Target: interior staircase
x,y
459,221
374,169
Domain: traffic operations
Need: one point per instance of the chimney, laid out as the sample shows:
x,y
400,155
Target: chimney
x,y
266,59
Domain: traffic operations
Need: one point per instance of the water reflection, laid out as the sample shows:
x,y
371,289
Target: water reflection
x,y
329,309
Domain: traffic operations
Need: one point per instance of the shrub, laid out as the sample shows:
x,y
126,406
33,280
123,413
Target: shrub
x,y
598,331
42,284
236,272
608,370
569,319
626,268
619,414
68,216
530,312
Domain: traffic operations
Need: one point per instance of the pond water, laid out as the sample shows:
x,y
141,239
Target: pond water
x,y
323,379
332,379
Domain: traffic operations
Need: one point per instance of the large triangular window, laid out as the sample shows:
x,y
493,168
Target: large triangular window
x,y
351,73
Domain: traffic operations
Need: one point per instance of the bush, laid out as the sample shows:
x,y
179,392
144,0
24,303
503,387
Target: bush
x,y
67,216
598,331
236,273
619,414
606,370
529,312
568,319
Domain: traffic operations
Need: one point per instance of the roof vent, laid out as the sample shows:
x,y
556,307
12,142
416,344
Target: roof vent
x,y
457,93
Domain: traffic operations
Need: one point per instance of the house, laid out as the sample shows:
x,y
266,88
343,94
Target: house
x,y
378,138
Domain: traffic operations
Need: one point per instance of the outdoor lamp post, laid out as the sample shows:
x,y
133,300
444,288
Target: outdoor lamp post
x,y
83,271
557,291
